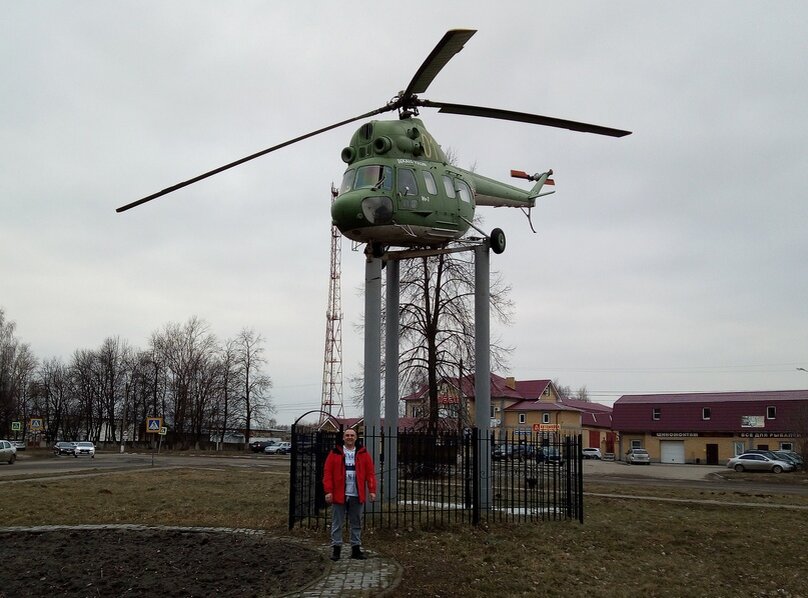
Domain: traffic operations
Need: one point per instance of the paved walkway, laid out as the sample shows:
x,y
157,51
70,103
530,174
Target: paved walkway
x,y
374,576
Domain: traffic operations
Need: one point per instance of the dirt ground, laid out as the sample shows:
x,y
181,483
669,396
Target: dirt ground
x,y
151,562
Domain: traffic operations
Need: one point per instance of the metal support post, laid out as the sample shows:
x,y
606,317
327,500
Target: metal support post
x,y
482,379
373,358
390,448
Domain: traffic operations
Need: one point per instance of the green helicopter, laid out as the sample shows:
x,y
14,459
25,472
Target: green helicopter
x,y
399,189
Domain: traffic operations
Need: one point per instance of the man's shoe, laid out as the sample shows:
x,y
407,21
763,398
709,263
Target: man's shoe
x,y
336,552
356,553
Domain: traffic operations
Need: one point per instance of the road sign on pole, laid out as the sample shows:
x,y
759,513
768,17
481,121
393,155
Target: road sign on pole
x,y
16,426
37,424
153,424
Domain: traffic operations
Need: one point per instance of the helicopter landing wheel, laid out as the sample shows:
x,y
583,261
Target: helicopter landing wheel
x,y
497,240
376,249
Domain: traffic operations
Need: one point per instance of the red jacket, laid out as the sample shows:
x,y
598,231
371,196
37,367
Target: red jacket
x,y
334,474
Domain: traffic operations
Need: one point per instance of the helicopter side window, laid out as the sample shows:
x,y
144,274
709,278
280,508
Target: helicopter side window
x,y
448,186
464,191
429,181
347,181
376,177
406,182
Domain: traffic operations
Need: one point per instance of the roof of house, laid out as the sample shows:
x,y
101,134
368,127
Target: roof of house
x,y
533,405
532,389
732,412
499,388
715,397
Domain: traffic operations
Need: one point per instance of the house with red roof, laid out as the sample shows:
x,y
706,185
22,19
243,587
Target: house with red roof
x,y
523,408
710,427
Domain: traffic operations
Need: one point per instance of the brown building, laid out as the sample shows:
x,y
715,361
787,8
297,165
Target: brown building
x,y
523,408
710,427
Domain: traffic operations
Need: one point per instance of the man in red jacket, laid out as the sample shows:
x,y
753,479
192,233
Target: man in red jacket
x,y
348,477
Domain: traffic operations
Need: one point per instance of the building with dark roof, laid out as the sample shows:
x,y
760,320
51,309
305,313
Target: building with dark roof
x,y
523,408
710,427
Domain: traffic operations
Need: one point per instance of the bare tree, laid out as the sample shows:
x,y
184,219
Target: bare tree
x,y
17,365
183,352
437,321
255,404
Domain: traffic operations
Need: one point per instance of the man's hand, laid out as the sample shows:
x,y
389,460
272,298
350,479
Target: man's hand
x,y
372,497
328,498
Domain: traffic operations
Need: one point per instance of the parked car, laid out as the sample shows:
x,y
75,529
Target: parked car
x,y
758,462
792,457
550,454
592,453
783,456
637,456
64,448
280,448
513,451
8,452
258,446
84,448
19,444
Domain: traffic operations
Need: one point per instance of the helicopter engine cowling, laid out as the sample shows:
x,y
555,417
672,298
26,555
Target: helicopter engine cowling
x,y
382,145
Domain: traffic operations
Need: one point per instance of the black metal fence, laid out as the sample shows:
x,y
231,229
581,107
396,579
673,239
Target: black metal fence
x,y
439,477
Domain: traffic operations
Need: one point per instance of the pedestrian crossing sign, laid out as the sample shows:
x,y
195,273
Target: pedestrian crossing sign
x,y
153,424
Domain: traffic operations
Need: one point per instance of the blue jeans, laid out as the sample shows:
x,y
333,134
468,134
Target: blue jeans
x,y
353,508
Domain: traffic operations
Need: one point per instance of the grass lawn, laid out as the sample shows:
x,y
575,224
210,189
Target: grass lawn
x,y
626,547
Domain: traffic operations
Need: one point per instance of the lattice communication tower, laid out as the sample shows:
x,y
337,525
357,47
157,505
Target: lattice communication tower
x,y
332,363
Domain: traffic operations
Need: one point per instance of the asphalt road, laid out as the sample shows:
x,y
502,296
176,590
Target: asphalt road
x,y
30,466
44,465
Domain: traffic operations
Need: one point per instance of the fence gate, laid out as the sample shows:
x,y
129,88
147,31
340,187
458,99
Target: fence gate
x,y
309,451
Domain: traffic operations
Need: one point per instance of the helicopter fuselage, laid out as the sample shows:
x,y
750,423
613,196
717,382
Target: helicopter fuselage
x,y
399,188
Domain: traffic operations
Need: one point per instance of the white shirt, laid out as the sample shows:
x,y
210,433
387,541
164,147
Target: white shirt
x,y
350,472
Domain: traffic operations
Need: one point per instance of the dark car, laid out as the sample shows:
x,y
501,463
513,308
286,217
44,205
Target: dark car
x,y
258,446
551,455
64,448
513,451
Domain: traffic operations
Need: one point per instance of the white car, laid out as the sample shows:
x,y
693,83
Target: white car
x,y
280,448
8,452
637,456
592,453
84,448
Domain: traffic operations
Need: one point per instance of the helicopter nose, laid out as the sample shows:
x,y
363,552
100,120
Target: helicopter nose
x,y
356,210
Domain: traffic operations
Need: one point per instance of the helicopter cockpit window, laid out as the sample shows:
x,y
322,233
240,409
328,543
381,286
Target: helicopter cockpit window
x,y
347,181
377,177
429,181
448,186
406,182
463,191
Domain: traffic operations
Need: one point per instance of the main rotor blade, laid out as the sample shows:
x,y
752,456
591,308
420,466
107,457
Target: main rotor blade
x,y
451,43
535,119
210,173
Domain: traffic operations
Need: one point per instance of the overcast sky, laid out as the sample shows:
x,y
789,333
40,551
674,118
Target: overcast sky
x,y
674,259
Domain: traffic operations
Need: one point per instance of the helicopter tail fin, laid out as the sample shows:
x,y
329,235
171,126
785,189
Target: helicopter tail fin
x,y
541,179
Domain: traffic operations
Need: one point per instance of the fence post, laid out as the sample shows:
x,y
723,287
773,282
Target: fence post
x,y
475,480
293,478
579,461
